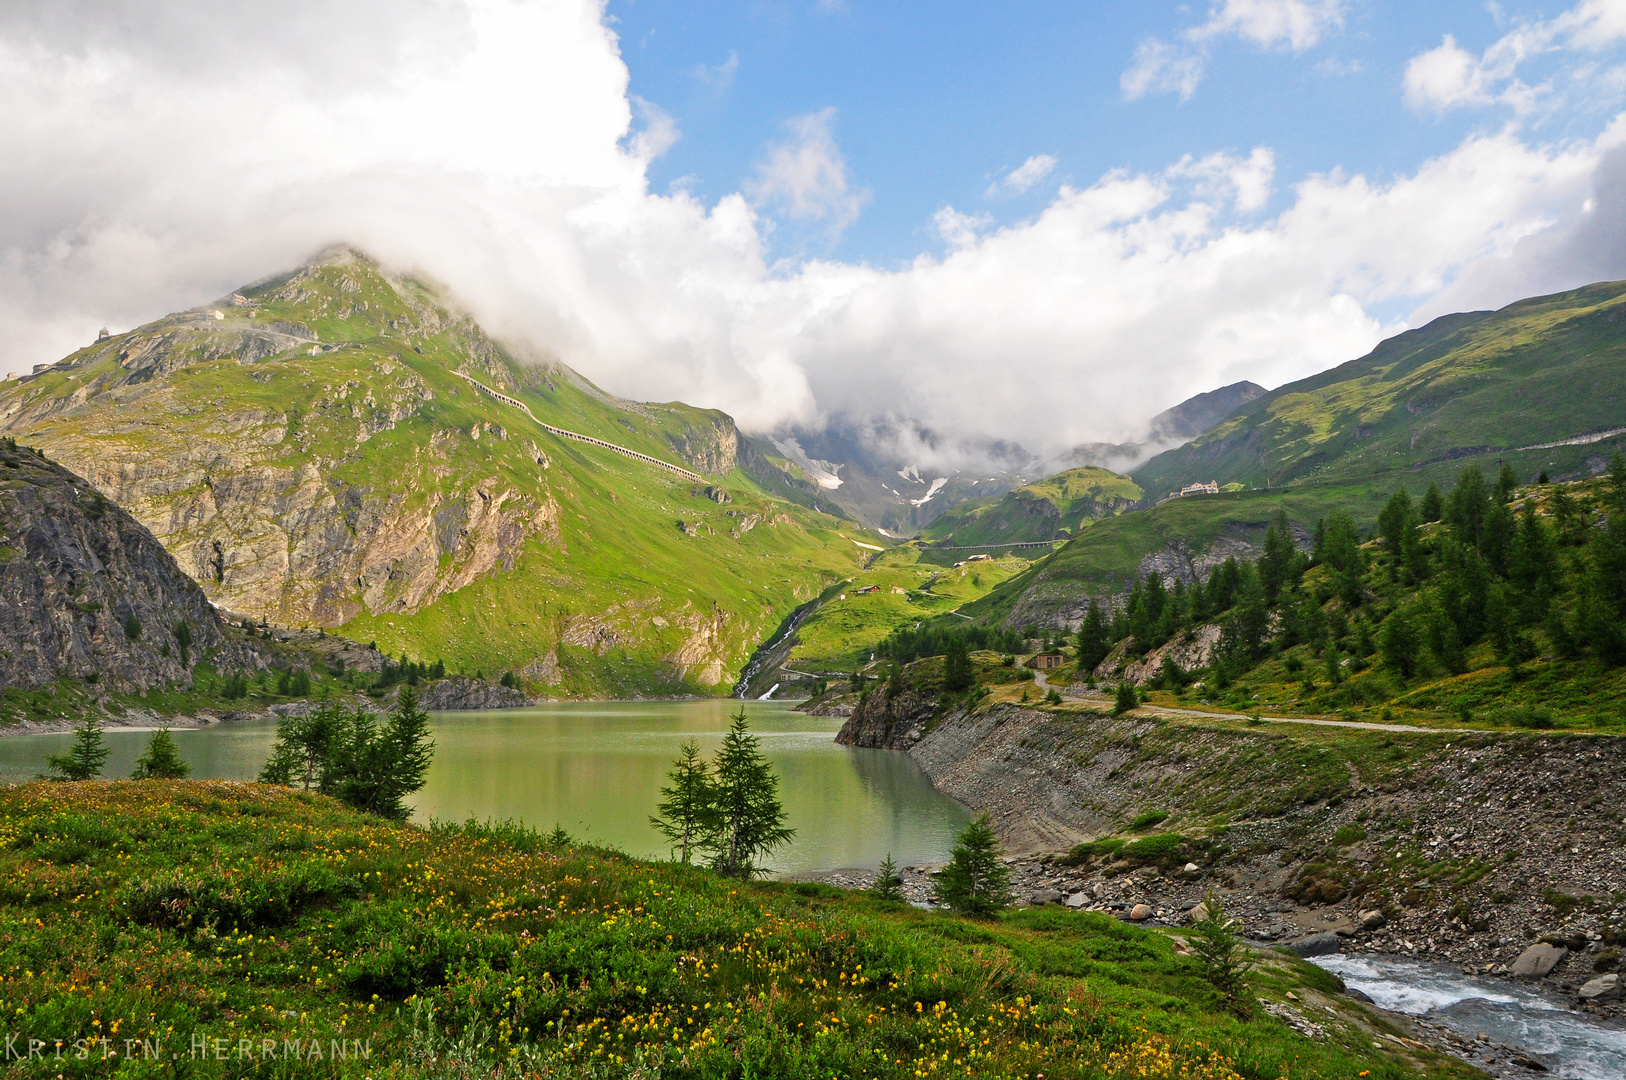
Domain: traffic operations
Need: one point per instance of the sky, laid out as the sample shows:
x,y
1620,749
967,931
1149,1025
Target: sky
x,y
1039,223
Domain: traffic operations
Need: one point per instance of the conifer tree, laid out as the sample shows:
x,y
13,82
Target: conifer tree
x,y
1126,699
86,755
162,761
1397,526
1226,961
1507,482
1093,645
958,675
887,886
975,882
1432,507
1469,503
686,804
747,820
1334,665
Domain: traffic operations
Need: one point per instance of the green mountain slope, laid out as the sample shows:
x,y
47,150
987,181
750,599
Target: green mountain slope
x,y
1181,540
309,453
1468,387
1053,507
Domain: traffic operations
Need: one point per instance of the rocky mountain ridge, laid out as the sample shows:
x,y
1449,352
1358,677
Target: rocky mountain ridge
x,y
87,593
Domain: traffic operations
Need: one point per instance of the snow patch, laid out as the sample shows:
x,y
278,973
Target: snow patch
x,y
822,472
937,485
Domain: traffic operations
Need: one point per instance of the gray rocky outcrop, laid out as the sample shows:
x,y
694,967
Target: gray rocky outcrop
x,y
884,720
458,693
87,592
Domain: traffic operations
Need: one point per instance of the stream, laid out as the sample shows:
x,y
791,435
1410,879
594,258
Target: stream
x,y
1537,1024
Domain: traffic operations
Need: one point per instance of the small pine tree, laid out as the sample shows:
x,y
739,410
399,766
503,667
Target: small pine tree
x,y
1226,962
132,627
1093,643
975,883
87,755
1126,700
1433,505
747,819
183,638
162,761
887,886
687,803
958,674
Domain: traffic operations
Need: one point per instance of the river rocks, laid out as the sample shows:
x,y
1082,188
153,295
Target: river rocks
x,y
1140,912
1603,988
1537,961
1322,944
1078,900
87,592
459,693
1373,920
1046,896
1197,914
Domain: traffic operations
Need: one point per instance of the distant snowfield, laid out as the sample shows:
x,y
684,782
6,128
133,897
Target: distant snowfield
x,y
937,485
822,472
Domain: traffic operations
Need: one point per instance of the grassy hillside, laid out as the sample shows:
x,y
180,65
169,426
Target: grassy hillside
x,y
1055,506
308,453
1475,386
275,921
907,584
1503,608
1183,537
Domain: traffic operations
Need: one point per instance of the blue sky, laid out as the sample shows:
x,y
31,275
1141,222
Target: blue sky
x,y
934,102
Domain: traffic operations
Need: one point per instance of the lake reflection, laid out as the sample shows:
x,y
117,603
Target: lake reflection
x,y
596,768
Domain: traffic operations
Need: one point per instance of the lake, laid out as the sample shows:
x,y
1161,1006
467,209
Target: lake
x,y
596,768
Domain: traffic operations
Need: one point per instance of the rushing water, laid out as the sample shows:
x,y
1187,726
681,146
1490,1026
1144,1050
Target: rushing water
x,y
1535,1023
596,768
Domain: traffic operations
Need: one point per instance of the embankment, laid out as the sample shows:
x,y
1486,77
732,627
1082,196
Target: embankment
x,y
1470,847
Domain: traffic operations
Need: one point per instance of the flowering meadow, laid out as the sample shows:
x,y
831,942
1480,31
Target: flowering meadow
x,y
173,928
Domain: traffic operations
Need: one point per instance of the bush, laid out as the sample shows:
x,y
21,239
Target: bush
x,y
132,627
1347,835
1126,700
1148,819
1157,848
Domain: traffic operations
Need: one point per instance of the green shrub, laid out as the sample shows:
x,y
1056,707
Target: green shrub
x,y
1348,834
1148,819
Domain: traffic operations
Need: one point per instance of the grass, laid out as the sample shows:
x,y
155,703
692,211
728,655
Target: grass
x,y
175,914
1064,503
1426,402
910,585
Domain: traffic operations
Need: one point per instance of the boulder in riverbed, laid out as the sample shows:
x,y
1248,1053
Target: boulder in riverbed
x,y
1603,988
1537,961
1140,912
1322,944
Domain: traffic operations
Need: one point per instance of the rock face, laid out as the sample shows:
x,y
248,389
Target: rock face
x,y
885,720
459,693
87,592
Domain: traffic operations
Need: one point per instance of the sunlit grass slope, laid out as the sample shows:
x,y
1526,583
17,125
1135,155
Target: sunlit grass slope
x,y
909,584
319,423
163,916
1472,386
1056,505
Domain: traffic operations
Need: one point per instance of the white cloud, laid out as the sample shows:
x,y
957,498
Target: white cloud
x,y
960,230
1449,76
486,143
719,77
805,177
1023,177
1176,68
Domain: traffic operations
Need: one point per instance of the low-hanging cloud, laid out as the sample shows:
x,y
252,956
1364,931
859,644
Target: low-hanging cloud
x,y
492,145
